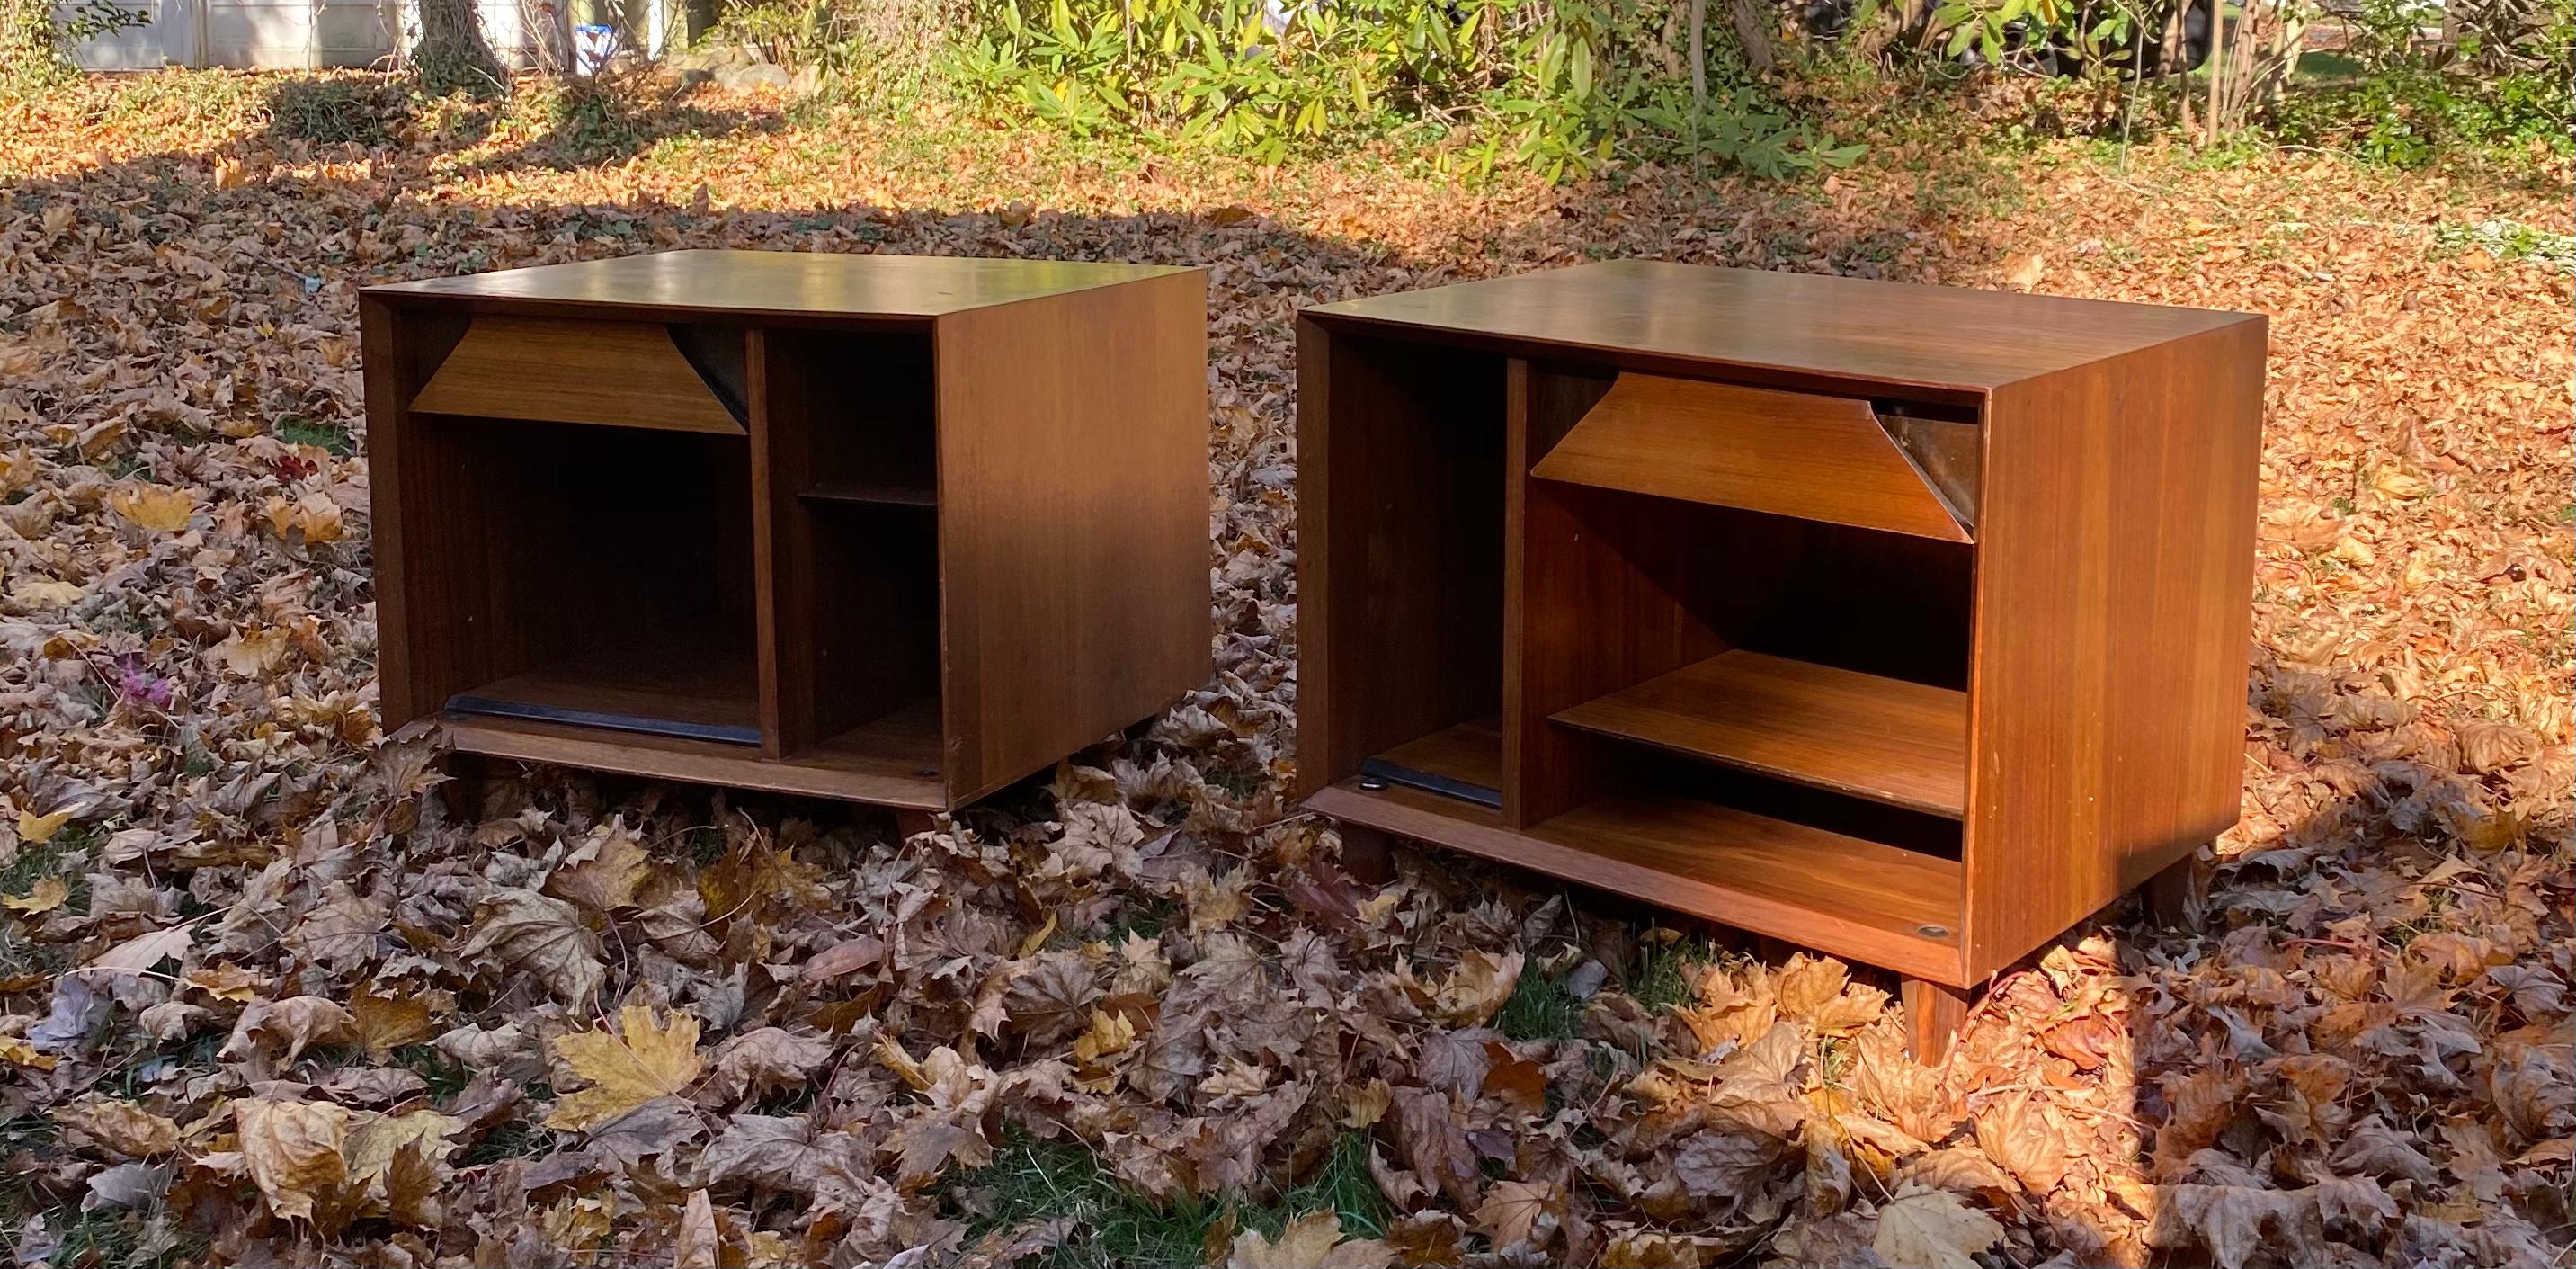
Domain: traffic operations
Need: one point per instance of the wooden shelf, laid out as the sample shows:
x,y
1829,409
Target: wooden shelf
x,y
1884,739
1840,894
1787,453
872,493
690,688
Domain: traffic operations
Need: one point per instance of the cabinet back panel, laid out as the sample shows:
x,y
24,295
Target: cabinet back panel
x,y
595,539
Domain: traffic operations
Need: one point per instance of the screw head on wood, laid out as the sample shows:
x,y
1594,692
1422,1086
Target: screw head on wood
x,y
1372,783
1933,931
927,773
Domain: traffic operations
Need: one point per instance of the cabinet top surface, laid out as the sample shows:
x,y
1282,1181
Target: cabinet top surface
x,y
780,283
1919,336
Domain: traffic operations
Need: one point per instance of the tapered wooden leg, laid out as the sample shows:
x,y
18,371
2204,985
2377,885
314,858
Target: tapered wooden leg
x,y
1933,1015
2169,892
1365,855
909,824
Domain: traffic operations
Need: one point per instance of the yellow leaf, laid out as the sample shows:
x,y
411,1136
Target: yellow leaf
x,y
386,1023
24,1054
156,507
230,173
1312,1241
1109,1033
1029,946
41,828
643,1061
46,895
1366,1104
45,592
377,1138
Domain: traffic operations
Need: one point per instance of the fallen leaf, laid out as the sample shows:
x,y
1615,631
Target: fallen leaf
x,y
159,508
46,895
1311,1241
642,1060
1511,1210
384,1023
293,1151
40,829
1931,1229
542,935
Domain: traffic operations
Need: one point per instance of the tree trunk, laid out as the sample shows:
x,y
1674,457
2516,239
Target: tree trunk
x,y
1754,34
453,54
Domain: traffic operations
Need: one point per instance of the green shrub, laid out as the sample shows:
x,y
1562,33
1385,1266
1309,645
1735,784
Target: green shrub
x,y
1562,86
34,45
2499,88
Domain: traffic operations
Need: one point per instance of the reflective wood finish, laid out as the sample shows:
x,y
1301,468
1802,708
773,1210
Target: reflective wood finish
x,y
897,530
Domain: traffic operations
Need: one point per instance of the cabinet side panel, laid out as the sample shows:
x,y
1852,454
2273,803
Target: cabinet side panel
x,y
1073,520
2114,607
1399,545
425,536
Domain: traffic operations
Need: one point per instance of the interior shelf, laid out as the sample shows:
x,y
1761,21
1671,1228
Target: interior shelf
x,y
873,493
690,689
1887,905
1880,738
1885,887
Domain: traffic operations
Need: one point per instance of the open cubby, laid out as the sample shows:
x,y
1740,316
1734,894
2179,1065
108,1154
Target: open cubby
x,y
621,593
894,529
1905,623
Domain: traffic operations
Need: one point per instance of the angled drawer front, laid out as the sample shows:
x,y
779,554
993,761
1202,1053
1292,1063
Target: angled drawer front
x,y
610,374
1786,453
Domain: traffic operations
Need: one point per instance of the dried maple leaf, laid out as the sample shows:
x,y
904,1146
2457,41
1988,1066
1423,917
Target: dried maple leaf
x,y
1931,1229
160,508
1511,1211
605,871
1479,985
642,1060
542,935
1311,1241
697,1244
293,1152
46,895
144,951
768,1058
120,1126
388,1022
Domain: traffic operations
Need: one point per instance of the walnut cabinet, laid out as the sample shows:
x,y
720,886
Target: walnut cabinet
x,y
898,530
1907,624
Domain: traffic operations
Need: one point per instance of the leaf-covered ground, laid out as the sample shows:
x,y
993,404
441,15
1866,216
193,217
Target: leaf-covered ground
x,y
274,992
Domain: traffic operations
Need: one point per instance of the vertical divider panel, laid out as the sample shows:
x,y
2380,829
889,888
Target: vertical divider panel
x,y
782,541
1594,586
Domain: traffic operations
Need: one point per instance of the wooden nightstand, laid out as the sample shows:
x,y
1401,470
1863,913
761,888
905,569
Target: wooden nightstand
x,y
1904,623
893,529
